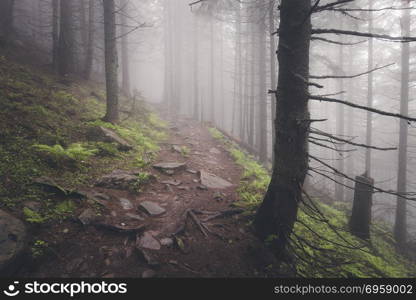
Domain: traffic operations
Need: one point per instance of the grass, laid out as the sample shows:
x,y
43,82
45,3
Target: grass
x,y
322,248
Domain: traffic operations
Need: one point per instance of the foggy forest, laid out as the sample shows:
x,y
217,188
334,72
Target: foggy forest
x,y
210,138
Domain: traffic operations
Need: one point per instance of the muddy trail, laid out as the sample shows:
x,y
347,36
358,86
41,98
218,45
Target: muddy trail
x,y
181,224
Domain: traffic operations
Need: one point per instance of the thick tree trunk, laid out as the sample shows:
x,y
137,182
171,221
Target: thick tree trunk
x,y
400,230
111,61
66,39
6,20
277,213
90,45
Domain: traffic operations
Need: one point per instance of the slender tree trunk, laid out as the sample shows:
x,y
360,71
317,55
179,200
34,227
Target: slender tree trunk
x,y
212,70
238,93
111,62
251,106
90,44
262,128
195,67
369,95
277,213
55,34
400,230
272,71
125,72
339,188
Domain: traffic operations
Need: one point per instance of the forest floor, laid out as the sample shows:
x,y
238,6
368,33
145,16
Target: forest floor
x,y
200,234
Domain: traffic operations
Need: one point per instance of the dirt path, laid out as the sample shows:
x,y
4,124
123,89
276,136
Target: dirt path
x,y
190,239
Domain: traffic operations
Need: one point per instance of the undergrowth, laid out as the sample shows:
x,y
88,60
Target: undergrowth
x,y
321,244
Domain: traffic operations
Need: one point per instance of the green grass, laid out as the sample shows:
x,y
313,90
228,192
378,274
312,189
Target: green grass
x,y
322,248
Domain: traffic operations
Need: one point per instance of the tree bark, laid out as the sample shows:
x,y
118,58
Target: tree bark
x,y
272,71
369,132
125,72
195,66
111,62
400,230
262,116
66,39
90,45
277,213
55,34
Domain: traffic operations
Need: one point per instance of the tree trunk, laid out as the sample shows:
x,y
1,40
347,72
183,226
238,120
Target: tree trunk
x,y
125,82
55,34
66,39
212,70
361,211
262,128
277,213
272,71
111,62
196,67
400,230
6,19
369,94
90,45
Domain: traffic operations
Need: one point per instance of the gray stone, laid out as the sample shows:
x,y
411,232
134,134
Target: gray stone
x,y
13,236
148,274
103,134
118,179
212,181
172,182
166,242
88,216
176,148
152,208
170,167
135,217
147,241
126,204
214,151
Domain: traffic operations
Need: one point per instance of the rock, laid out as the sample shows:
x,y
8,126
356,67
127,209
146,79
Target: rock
x,y
172,182
103,134
88,217
126,204
166,242
120,228
13,236
152,208
135,217
101,196
147,241
191,171
212,181
176,148
118,179
202,187
148,274
170,167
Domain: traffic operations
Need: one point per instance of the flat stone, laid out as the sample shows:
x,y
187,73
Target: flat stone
x,y
103,134
13,236
172,182
118,179
50,185
134,217
152,208
147,241
212,181
126,204
170,167
166,242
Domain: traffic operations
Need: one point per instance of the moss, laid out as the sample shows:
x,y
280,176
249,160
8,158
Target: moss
x,y
319,250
